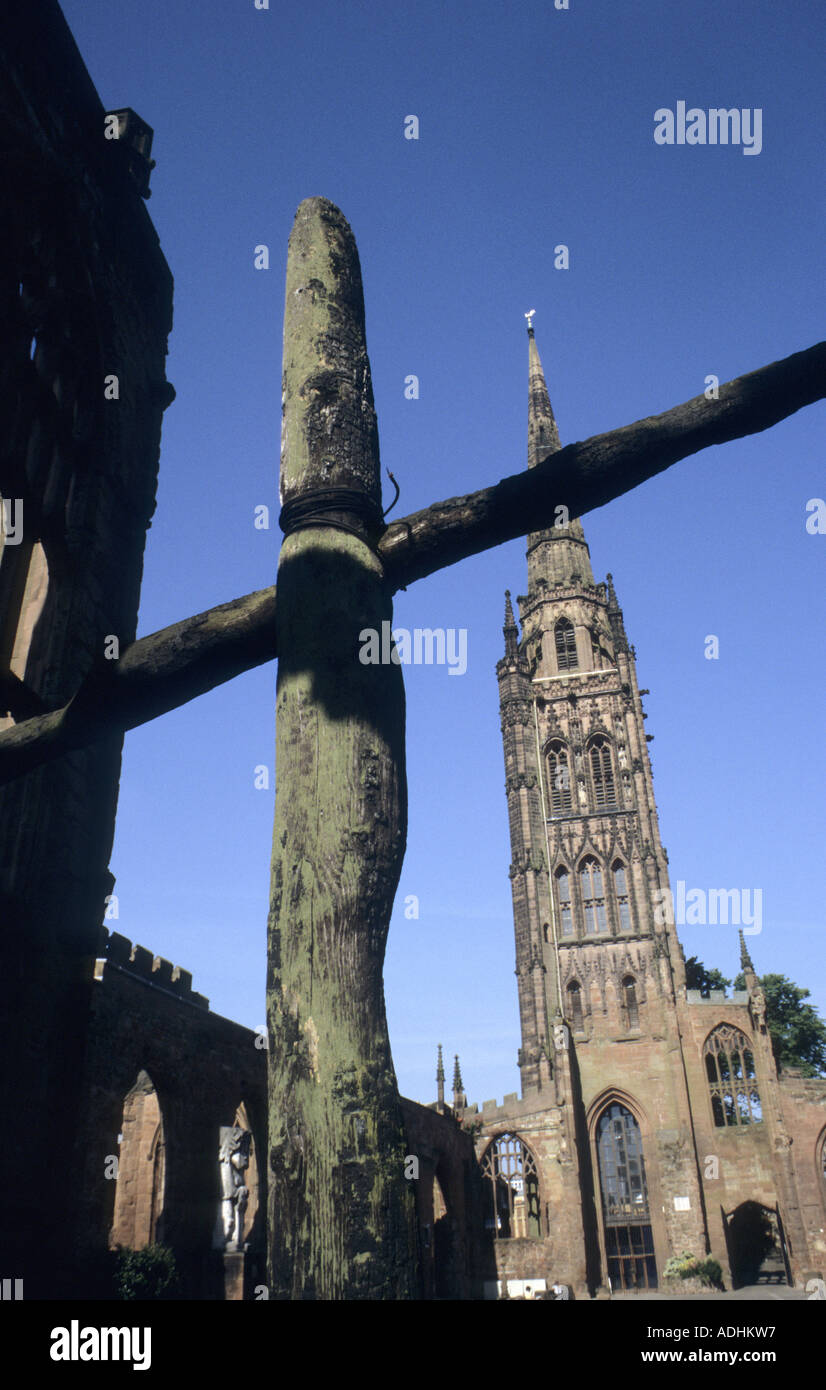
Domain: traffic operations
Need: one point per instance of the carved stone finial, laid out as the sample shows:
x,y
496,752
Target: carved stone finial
x,y
510,629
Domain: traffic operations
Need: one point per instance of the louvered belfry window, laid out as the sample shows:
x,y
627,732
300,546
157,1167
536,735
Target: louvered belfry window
x,y
602,774
565,637
732,1080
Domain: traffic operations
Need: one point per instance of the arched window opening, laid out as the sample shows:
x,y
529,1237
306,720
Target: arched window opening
x,y
593,896
629,1002
139,1191
622,896
24,586
444,1255
563,893
574,993
565,638
732,1079
559,778
629,1241
602,774
512,1206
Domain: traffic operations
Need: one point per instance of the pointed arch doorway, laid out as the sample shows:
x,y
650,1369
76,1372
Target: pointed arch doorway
x,y
756,1245
628,1237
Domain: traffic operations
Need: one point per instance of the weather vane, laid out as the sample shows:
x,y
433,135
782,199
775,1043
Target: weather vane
x,y
529,317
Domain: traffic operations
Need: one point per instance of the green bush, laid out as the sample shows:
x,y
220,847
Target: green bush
x,y
688,1266
148,1274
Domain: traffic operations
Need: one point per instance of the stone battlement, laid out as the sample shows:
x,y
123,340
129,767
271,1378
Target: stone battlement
x,y
120,954
512,1105
717,996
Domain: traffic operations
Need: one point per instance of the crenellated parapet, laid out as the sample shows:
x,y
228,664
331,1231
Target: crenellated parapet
x,y
118,953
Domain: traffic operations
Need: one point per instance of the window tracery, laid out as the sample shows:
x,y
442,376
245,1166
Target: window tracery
x,y
512,1205
732,1079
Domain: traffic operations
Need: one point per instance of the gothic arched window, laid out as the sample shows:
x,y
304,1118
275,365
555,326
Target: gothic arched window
x,y
565,638
512,1208
629,1002
732,1080
593,896
602,774
559,778
622,895
629,1241
574,994
563,893
141,1170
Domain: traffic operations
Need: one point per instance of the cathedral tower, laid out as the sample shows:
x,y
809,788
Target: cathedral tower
x,y
598,964
588,867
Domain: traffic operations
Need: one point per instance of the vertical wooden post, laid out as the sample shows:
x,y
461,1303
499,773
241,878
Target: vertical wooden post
x,y
341,1216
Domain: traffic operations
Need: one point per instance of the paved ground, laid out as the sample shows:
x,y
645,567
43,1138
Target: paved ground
x,y
751,1293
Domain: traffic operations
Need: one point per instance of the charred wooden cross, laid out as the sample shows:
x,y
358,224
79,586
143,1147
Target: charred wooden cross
x,y
341,1213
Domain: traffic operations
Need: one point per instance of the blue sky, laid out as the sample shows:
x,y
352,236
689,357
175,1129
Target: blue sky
x,y
536,129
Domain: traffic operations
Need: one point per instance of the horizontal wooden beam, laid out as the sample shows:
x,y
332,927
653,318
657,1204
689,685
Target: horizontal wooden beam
x,y
156,674
587,475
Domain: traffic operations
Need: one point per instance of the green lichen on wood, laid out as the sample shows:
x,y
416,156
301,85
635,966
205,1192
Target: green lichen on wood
x,y
341,1218
329,435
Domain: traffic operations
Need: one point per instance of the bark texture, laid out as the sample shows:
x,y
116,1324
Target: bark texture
x,y
341,1216
153,675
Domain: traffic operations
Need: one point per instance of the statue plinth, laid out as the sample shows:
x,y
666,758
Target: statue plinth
x,y
234,1266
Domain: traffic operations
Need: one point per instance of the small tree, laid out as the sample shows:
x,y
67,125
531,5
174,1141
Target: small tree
x,y
149,1274
697,977
798,1033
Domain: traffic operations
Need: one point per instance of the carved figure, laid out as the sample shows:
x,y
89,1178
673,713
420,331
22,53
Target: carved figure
x,y
234,1158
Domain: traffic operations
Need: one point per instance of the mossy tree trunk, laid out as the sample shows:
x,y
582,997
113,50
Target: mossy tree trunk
x,y
341,1214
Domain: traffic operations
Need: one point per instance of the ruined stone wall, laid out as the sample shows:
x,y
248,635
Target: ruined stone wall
x,y
803,1100
448,1202
645,1074
549,1132
147,1021
773,1162
86,295
157,1054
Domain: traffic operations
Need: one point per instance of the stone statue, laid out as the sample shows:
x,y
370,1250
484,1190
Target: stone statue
x,y
234,1158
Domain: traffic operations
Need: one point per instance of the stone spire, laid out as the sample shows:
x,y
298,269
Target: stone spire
x,y
567,560
747,966
510,629
440,1078
543,435
459,1097
757,999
